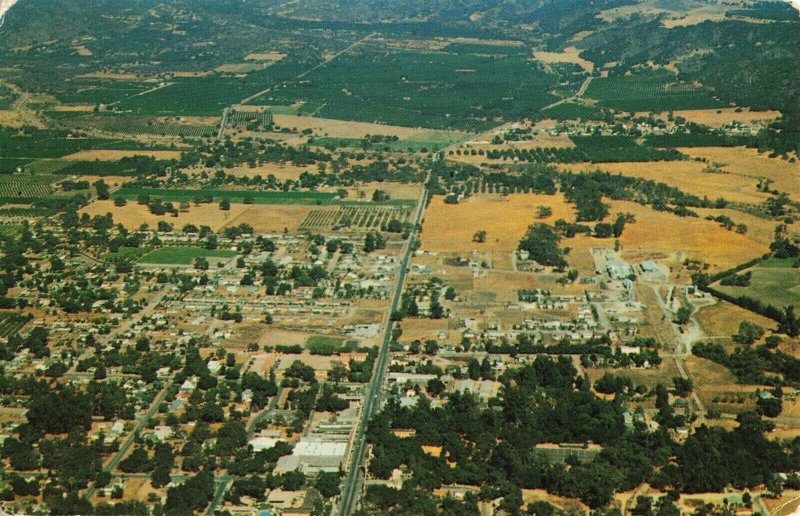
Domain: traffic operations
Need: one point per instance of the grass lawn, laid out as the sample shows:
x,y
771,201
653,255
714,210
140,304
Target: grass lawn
x,y
183,255
125,253
319,345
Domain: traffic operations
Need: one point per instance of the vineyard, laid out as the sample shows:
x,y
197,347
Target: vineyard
x,y
252,120
156,126
11,323
355,217
26,186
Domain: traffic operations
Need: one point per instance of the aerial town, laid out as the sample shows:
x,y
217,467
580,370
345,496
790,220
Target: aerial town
x,y
479,258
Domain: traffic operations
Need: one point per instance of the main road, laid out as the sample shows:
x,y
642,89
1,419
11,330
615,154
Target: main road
x,y
372,396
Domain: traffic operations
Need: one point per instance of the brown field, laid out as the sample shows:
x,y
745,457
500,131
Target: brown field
x,y
761,230
74,108
283,171
274,337
449,228
749,163
720,117
395,190
723,318
479,41
711,380
688,176
504,284
272,57
647,377
111,76
114,155
346,129
274,218
112,181
539,140
10,118
569,55
663,232
692,19
134,215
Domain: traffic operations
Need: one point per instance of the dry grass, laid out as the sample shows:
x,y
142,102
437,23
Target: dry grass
x,y
723,318
749,163
568,55
272,57
449,228
687,176
10,118
720,117
112,181
647,377
75,108
395,190
347,129
274,218
134,215
114,155
281,171
111,76
663,232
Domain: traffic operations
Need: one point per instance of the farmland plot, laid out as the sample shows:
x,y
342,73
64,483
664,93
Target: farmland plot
x,y
355,217
650,91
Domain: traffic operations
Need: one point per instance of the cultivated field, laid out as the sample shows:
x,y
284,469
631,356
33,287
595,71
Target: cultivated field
x,y
274,218
349,129
183,255
115,155
504,218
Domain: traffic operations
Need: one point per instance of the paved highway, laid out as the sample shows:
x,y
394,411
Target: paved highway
x,y
352,482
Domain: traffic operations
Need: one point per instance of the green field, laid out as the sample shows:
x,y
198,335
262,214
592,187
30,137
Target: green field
x,y
234,196
183,255
425,141
11,323
124,253
657,90
24,187
140,125
438,91
774,282
319,345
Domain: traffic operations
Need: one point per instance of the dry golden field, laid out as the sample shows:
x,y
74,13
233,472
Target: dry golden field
x,y
704,240
719,117
449,228
568,55
723,318
348,129
749,163
687,176
263,218
274,218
